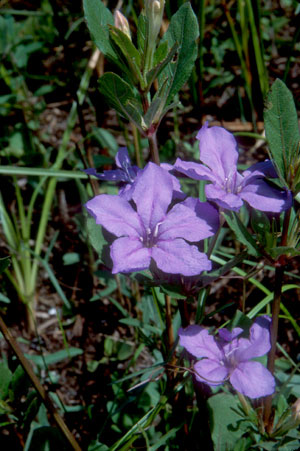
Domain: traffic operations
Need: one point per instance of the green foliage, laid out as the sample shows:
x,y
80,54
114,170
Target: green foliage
x,y
183,30
98,18
282,132
121,96
224,419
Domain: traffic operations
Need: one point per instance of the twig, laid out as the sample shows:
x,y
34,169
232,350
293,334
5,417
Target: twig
x,y
39,388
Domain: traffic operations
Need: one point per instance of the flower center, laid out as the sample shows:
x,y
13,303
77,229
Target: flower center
x,y
150,237
229,184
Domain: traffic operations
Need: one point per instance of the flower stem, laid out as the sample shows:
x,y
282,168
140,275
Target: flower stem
x,y
154,148
279,272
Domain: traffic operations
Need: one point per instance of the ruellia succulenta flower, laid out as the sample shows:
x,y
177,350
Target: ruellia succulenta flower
x,y
228,188
228,357
149,227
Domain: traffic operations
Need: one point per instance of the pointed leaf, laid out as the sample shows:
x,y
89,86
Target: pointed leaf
x,y
126,46
98,17
184,30
120,96
242,233
154,73
282,131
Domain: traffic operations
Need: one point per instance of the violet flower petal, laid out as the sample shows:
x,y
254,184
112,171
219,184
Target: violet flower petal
x,y
115,214
263,197
192,228
252,379
258,343
113,175
225,200
212,371
195,171
176,256
198,342
153,194
228,335
218,150
129,255
261,169
124,163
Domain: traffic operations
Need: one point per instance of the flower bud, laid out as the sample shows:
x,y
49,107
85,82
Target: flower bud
x,y
154,13
296,411
122,23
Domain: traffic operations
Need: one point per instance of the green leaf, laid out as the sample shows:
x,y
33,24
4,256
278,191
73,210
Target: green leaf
x,y
276,252
224,432
95,235
71,258
242,233
184,30
5,378
55,357
282,131
98,18
126,46
120,96
4,263
154,73
142,33
160,53
4,299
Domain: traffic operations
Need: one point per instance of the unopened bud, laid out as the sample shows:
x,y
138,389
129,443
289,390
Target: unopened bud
x,y
122,23
296,410
154,12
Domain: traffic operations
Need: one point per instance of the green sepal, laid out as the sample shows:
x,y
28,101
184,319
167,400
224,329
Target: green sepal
x,y
98,18
184,30
282,131
120,96
242,233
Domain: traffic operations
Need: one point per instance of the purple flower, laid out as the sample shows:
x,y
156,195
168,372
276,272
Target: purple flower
x,y
228,188
125,174
146,229
229,357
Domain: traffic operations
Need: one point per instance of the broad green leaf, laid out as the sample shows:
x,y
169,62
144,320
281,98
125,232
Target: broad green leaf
x,y
98,18
184,30
282,131
120,96
225,431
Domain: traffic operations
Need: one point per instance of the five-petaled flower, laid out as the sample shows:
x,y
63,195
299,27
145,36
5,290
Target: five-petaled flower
x,y
228,188
147,228
229,357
